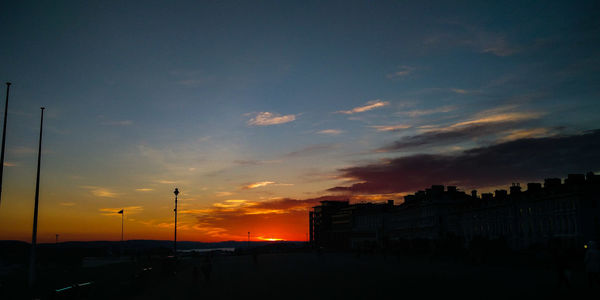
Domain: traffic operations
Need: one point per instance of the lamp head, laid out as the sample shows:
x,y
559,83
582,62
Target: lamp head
x,y
176,192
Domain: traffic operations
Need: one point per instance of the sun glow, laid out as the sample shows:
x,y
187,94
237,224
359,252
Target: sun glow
x,y
270,239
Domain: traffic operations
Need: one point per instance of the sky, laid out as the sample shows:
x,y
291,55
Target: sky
x,y
258,110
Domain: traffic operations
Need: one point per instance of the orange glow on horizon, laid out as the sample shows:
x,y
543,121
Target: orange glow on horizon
x,y
270,239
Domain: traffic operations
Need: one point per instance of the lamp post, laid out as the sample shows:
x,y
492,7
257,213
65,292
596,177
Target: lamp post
x,y
176,192
3,138
122,213
35,210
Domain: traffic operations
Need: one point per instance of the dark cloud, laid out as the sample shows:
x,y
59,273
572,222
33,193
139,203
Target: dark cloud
x,y
524,159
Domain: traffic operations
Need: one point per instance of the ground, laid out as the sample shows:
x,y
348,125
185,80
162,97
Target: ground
x,y
346,276
310,275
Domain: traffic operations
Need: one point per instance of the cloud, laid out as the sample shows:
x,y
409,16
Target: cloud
x,y
247,162
223,194
312,150
368,106
282,218
144,190
233,203
394,128
166,181
128,210
474,37
330,131
424,112
523,159
504,117
257,185
118,123
9,164
100,191
486,124
401,72
267,118
20,150
528,133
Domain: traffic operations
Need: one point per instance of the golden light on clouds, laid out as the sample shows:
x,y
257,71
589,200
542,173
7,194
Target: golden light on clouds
x,y
505,117
330,131
266,118
391,127
223,194
257,185
373,104
526,133
100,191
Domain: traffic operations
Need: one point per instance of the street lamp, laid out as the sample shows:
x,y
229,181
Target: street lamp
x,y
176,192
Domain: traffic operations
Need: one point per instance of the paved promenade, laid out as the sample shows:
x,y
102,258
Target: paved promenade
x,y
346,276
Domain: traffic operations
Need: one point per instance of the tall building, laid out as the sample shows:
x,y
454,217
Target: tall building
x,y
555,212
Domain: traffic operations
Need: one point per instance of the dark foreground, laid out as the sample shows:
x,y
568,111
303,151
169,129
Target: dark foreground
x,y
326,276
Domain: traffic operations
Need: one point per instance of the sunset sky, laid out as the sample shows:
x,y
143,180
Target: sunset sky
x,y
256,110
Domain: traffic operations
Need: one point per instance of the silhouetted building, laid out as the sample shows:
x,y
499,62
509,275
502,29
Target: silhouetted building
x,y
565,212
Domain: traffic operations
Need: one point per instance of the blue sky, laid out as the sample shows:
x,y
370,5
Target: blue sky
x,y
215,96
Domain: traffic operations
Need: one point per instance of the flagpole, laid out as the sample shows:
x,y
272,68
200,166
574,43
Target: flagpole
x,y
35,210
3,139
176,192
122,216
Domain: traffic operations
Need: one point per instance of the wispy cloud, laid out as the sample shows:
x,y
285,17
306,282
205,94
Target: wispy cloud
x,y
223,194
144,190
312,150
528,133
22,150
233,203
424,112
330,131
268,118
401,72
163,181
9,164
100,191
245,162
476,38
373,104
486,123
398,127
505,117
117,123
257,185
463,91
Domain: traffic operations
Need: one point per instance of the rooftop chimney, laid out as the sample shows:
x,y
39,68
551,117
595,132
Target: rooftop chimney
x,y
515,189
